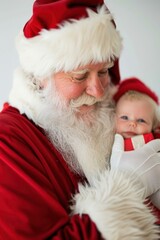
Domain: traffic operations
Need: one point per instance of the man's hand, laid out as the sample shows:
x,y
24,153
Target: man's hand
x,y
143,163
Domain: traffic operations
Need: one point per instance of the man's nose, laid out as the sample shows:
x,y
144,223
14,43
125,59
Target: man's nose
x,y
95,87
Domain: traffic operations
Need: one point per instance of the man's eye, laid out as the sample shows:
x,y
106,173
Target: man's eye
x,y
103,73
124,117
79,78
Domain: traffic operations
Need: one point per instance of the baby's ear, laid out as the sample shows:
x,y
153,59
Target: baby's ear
x,y
157,129
156,132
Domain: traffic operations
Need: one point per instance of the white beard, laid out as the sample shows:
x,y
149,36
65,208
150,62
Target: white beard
x,y
85,141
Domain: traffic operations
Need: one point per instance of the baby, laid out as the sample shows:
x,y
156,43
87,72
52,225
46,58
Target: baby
x,y
137,117
137,113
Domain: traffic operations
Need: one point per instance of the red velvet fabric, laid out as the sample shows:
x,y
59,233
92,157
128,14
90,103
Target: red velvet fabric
x,y
134,84
115,73
49,14
36,186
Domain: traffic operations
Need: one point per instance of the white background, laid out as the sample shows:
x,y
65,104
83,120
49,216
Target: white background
x,y
137,20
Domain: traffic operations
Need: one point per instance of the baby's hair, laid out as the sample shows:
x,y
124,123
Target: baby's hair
x,y
135,95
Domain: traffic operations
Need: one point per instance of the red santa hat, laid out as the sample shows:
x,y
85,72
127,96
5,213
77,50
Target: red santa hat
x,y
134,84
62,35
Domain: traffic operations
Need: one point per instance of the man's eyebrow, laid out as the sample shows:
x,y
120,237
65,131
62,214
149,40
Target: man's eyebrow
x,y
81,71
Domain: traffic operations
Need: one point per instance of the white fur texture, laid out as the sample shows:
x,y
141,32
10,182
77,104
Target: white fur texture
x,y
24,94
115,203
76,43
88,137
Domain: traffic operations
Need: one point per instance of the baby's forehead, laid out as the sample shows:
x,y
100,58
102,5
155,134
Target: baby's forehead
x,y
126,101
134,95
137,106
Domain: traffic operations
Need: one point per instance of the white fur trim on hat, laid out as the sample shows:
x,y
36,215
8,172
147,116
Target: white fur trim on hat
x,y
115,203
76,43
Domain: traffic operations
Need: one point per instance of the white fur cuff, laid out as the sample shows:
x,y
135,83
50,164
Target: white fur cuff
x,y
115,203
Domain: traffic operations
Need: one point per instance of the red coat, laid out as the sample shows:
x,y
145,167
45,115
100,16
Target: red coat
x,y
36,186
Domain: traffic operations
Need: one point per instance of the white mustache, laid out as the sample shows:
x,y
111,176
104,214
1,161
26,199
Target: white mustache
x,y
84,100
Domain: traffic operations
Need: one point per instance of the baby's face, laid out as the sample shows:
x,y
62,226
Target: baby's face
x,y
134,117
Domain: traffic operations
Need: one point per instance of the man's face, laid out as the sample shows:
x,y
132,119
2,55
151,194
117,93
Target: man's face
x,y
78,115
90,80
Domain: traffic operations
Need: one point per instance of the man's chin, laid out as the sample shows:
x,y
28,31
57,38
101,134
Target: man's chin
x,y
86,114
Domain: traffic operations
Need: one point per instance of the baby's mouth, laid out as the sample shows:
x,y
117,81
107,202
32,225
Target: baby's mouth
x,y
129,134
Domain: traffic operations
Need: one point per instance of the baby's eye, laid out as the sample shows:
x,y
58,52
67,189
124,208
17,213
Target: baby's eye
x,y
141,120
124,117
